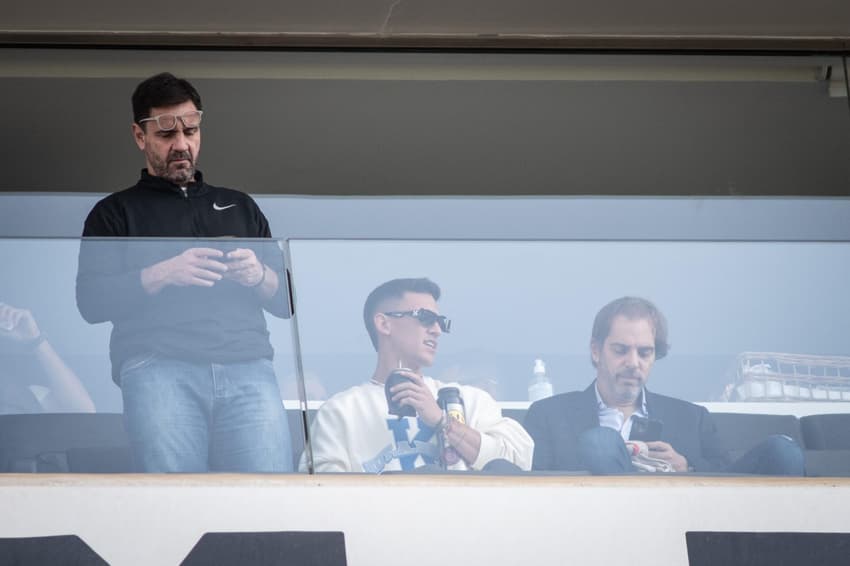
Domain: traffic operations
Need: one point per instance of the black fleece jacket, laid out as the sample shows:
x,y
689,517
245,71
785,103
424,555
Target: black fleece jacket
x,y
126,232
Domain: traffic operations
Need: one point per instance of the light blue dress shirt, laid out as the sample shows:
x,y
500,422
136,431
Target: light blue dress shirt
x,y
614,418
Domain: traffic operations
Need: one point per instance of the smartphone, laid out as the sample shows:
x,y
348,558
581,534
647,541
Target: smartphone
x,y
645,429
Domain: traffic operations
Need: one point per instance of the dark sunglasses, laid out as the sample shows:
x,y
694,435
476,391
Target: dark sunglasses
x,y
425,317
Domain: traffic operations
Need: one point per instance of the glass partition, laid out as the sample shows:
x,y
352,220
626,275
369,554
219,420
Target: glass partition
x,y
757,334
78,318
755,328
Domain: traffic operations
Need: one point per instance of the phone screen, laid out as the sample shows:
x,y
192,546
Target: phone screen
x,y
645,429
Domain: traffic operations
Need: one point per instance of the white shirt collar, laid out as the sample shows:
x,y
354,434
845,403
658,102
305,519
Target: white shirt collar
x,y
600,403
613,417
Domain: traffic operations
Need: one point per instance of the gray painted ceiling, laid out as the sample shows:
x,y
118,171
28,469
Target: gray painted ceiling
x,y
337,123
812,25
660,17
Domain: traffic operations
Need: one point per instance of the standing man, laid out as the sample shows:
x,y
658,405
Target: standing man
x,y
189,347
587,430
354,432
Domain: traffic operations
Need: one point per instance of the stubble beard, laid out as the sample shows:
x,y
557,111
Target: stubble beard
x,y
180,175
627,395
626,392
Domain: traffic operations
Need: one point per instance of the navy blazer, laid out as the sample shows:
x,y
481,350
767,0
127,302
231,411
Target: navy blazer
x,y
555,424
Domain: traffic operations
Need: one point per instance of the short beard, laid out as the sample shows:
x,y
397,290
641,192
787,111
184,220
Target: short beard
x,y
181,177
627,395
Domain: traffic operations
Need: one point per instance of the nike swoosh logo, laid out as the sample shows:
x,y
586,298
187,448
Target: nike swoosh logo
x,y
217,207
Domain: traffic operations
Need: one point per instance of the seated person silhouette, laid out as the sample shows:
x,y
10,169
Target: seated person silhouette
x,y
33,377
354,430
593,429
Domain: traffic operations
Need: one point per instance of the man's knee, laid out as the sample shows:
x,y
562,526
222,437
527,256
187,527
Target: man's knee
x,y
502,467
602,451
785,454
601,438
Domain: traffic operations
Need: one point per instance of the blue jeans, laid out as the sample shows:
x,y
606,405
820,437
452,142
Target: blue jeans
x,y
776,456
197,417
601,451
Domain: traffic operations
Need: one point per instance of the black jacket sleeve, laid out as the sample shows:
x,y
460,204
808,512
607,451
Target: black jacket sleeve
x,y
712,457
271,255
690,430
108,288
536,425
539,429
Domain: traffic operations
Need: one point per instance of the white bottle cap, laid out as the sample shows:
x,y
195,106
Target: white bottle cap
x,y
539,367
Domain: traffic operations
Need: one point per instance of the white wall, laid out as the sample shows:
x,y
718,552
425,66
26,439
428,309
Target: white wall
x,y
422,520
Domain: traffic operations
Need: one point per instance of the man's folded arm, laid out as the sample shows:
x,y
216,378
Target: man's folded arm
x,y
105,292
501,437
106,288
712,457
330,454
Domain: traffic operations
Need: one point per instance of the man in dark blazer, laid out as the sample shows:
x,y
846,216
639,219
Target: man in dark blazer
x,y
587,430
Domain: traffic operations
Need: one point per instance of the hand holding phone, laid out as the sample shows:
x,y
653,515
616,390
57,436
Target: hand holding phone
x,y
244,267
645,429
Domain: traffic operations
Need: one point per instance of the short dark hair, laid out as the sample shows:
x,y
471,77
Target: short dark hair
x,y
159,90
631,308
394,289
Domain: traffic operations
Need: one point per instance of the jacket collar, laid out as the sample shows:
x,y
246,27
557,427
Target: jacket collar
x,y
646,396
193,189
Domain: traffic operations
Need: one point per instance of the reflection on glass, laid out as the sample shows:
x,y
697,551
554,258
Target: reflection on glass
x,y
520,302
617,425
52,360
190,349
33,377
790,377
402,419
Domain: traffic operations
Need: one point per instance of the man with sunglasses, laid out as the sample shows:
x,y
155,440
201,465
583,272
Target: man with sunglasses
x,y
354,431
189,347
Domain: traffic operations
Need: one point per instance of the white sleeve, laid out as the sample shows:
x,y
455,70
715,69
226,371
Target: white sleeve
x,y
327,437
501,437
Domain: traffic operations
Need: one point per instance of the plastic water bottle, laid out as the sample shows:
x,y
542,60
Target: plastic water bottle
x,y
540,386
